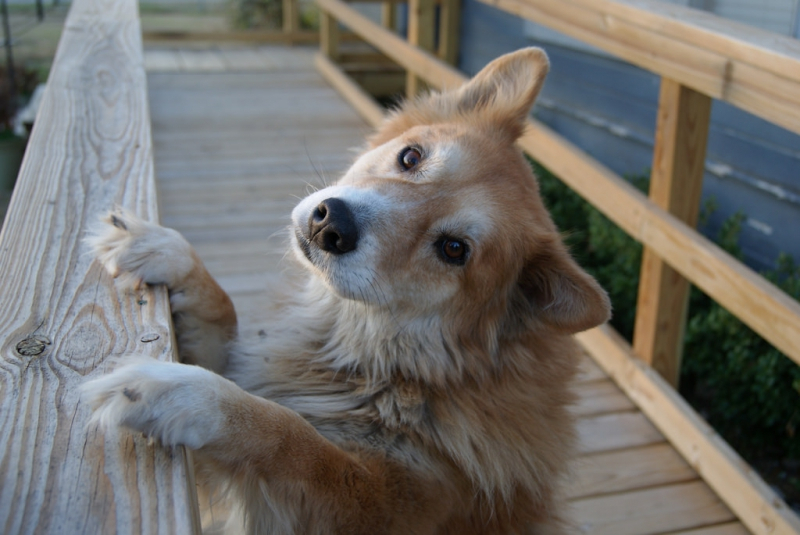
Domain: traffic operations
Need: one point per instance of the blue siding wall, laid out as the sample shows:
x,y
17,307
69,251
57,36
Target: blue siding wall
x,y
608,108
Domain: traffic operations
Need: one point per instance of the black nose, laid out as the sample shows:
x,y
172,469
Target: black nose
x,y
332,227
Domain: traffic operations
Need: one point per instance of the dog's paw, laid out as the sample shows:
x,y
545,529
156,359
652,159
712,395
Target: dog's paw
x,y
135,251
177,404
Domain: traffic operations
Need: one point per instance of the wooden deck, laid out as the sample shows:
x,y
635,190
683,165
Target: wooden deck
x,y
240,133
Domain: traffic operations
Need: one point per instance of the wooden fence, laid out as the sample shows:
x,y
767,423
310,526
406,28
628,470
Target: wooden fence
x,y
61,316
699,57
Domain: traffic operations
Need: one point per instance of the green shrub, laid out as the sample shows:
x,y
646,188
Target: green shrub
x,y
748,390
248,14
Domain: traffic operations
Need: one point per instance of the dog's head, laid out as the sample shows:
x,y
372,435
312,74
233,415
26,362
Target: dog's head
x,y
441,217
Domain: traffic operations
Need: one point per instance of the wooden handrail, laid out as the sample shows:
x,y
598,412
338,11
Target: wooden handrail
x,y
660,223
755,70
61,316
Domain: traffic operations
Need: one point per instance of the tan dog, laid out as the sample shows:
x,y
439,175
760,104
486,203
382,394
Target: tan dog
x,y
415,375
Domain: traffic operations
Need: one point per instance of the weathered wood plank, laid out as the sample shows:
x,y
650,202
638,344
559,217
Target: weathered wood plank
x,y
676,183
201,60
600,397
628,469
615,431
90,150
162,60
243,59
657,510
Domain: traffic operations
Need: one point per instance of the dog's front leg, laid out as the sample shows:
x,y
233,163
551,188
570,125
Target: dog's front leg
x,y
136,252
303,482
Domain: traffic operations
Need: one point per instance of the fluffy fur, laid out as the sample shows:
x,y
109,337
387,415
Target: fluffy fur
x,y
414,378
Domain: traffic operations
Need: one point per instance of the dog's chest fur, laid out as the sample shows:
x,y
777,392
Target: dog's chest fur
x,y
344,406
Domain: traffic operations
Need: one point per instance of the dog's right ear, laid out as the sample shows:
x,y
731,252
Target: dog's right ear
x,y
501,95
503,92
555,290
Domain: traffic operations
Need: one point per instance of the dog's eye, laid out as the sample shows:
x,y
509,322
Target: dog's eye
x,y
409,158
452,251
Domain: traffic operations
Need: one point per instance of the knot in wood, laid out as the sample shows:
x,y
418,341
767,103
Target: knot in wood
x,y
33,345
150,337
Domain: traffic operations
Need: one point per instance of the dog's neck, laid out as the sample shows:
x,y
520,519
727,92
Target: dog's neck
x,y
381,343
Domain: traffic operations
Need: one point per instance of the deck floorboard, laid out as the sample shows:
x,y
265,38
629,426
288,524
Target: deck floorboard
x,y
241,133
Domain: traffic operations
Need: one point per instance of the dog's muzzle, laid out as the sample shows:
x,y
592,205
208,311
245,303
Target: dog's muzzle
x,y
332,227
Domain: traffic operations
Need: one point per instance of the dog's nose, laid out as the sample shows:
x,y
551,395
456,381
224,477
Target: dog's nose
x,y
332,227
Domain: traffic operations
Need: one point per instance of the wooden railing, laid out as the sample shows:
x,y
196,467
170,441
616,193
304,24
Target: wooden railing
x,y
61,316
699,57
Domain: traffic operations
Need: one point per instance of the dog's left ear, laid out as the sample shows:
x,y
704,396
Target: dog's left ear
x,y
505,90
561,294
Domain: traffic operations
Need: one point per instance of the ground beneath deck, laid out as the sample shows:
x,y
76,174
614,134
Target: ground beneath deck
x,y
241,133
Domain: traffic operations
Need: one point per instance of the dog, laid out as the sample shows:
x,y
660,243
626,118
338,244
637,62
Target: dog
x,y
415,375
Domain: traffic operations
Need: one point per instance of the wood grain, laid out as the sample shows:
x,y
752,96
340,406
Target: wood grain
x,y
676,184
657,510
90,150
600,397
756,504
627,470
608,432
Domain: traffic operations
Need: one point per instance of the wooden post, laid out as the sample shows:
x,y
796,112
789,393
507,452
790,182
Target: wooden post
x,y
62,319
291,17
421,33
675,185
389,15
329,36
449,27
